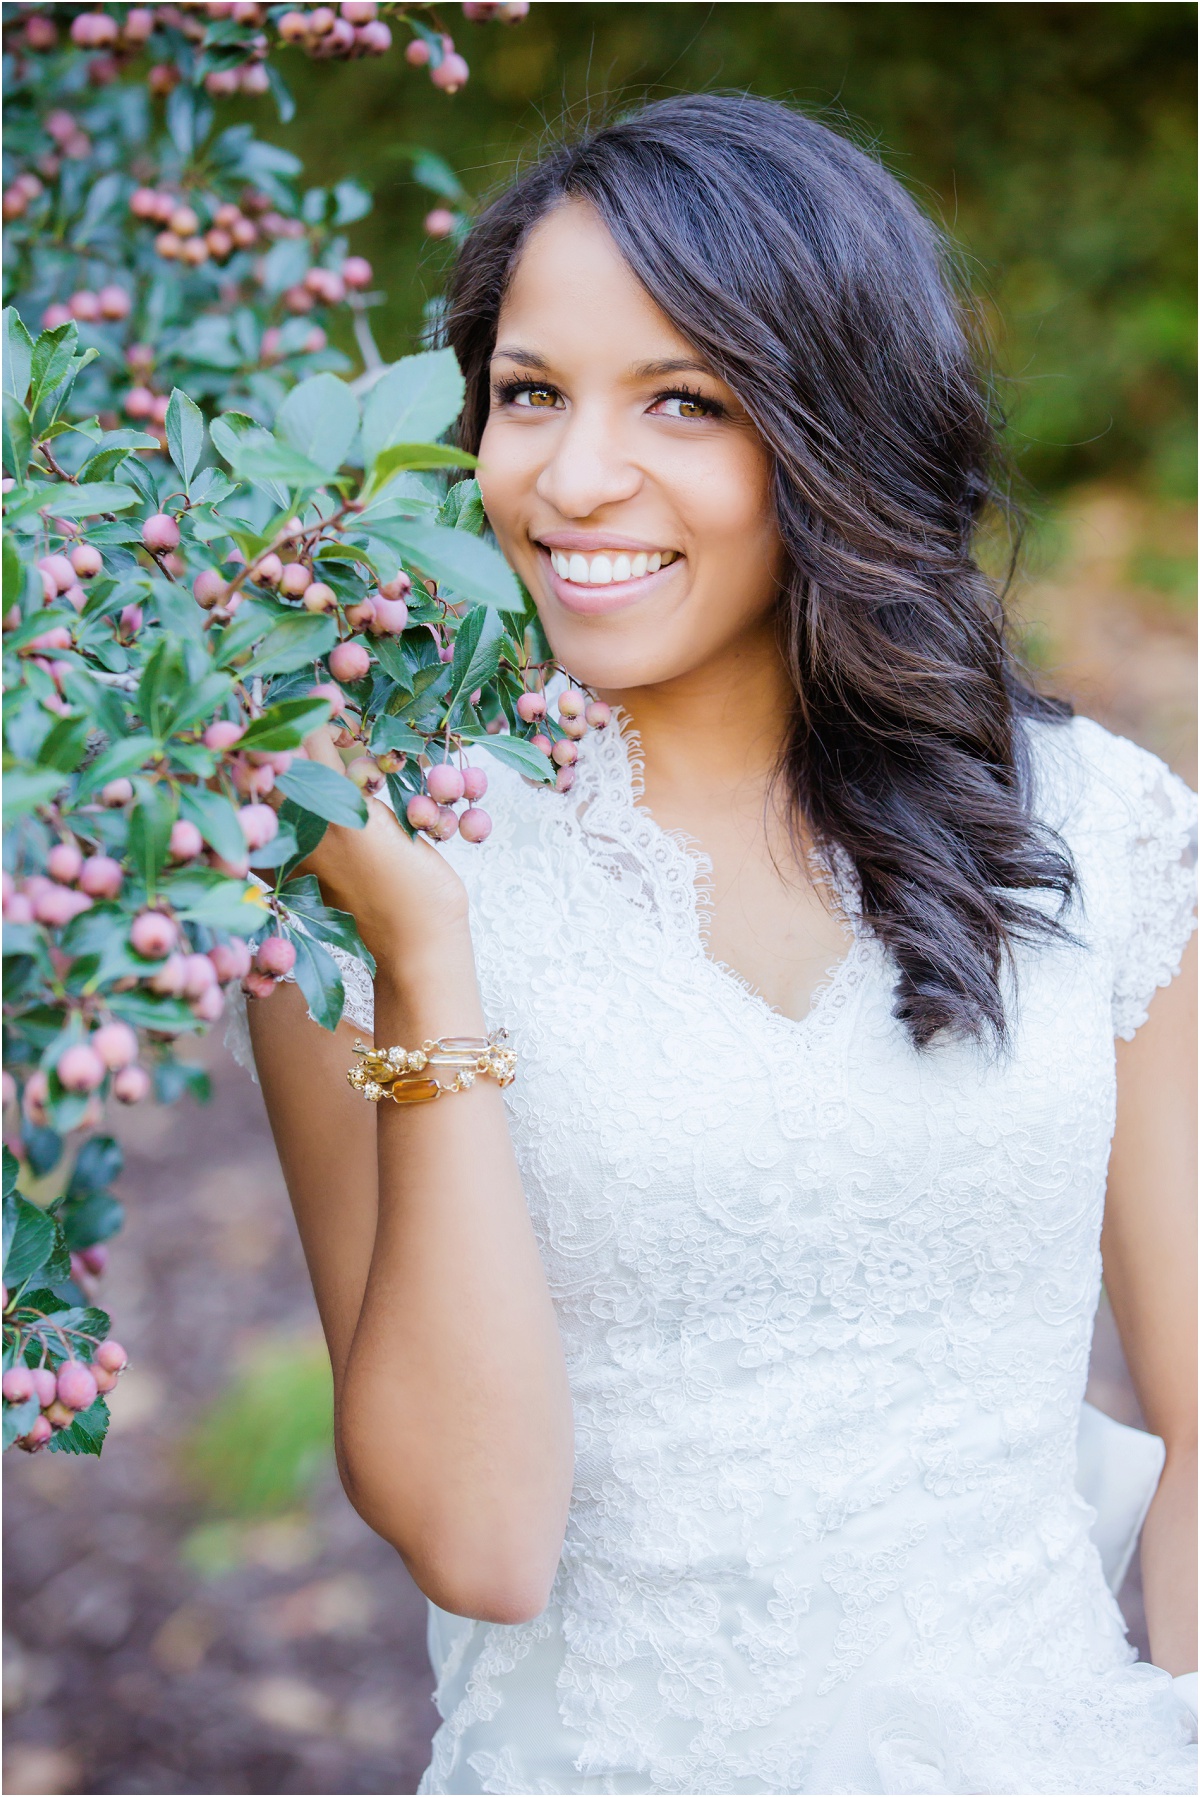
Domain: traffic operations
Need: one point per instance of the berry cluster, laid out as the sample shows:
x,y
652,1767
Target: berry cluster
x,y
64,1391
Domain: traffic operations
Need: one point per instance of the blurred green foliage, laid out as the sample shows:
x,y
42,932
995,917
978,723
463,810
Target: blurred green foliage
x,y
1055,142
258,1449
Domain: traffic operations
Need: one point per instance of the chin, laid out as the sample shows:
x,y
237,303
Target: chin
x,y
617,663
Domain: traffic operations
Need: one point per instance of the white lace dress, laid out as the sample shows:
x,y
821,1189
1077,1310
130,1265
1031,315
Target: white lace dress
x,y
827,1305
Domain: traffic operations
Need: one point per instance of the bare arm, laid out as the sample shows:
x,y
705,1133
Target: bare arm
x,y
452,1410
1149,1249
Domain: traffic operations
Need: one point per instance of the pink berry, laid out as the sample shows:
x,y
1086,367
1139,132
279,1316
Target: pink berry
x,y
95,1258
259,985
451,73
439,222
222,735
598,714
86,560
331,694
186,841
446,825
84,306
50,640
541,742
268,570
475,825
320,598
114,301
160,533
475,783
356,272
17,1384
44,1384
375,38
33,1098
444,783
391,617
564,779
153,935
80,1068
76,1386
199,975
366,773
131,1085
259,825
54,908
75,596
416,54
38,1435
398,587
65,862
575,728
349,662
139,402
54,316
360,615
421,811
100,876
116,793
208,588
60,570
129,621
209,1006
230,959
571,704
8,1087
112,1357
105,1381
564,752
295,579
168,978
531,706
116,1044
276,956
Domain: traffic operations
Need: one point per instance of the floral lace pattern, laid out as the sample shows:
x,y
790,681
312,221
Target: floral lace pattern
x,y
826,1305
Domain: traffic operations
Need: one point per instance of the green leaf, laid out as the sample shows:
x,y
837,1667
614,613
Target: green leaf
x,y
430,170
233,434
515,753
64,744
99,1162
185,434
18,354
477,649
11,1169
402,457
317,788
265,461
19,1420
95,1218
144,1011
27,788
462,508
319,978
31,1234
86,1434
352,202
292,643
216,819
414,402
50,361
116,762
303,900
307,829
319,420
150,829
89,500
467,566
394,733
285,725
233,905
18,439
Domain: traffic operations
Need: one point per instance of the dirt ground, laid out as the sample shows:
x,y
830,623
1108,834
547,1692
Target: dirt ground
x,y
146,1652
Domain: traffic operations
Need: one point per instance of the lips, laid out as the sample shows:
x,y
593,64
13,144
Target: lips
x,y
591,597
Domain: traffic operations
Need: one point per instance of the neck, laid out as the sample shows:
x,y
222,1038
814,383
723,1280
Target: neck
x,y
718,727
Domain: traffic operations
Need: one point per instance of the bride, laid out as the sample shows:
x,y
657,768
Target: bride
x,y
720,1380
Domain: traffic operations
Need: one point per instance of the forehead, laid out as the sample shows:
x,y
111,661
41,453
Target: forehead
x,y
571,288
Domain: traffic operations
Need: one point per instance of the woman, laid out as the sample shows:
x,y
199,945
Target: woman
x,y
719,1381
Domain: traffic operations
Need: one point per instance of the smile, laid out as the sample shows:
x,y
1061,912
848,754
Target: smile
x,y
609,566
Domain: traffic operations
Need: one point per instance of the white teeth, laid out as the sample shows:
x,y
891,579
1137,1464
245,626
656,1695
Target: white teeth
x,y
602,570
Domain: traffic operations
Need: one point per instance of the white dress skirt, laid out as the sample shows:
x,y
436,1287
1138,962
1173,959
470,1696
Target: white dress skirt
x,y
842,1522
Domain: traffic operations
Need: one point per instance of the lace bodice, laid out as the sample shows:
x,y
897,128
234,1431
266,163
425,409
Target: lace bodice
x,y
827,1305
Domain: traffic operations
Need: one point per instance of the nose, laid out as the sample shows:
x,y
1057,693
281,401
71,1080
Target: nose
x,y
589,466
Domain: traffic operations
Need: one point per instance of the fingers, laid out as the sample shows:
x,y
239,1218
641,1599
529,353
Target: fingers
x,y
320,747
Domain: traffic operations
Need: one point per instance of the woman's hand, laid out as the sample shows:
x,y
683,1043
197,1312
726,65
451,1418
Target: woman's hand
x,y
399,890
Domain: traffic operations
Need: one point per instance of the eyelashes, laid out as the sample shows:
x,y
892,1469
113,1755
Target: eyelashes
x,y
507,392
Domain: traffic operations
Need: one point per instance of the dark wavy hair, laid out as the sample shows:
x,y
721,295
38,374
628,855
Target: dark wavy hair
x,y
814,286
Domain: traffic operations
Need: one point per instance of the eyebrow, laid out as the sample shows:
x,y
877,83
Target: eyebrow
x,y
644,371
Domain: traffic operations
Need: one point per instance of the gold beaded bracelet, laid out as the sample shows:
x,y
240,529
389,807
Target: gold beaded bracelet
x,y
403,1074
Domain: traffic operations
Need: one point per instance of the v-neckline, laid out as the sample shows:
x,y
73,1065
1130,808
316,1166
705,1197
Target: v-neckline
x,y
829,995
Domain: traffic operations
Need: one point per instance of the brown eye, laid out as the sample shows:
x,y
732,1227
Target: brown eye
x,y
542,396
691,408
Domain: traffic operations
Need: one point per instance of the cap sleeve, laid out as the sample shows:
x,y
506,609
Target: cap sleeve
x,y
1157,882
